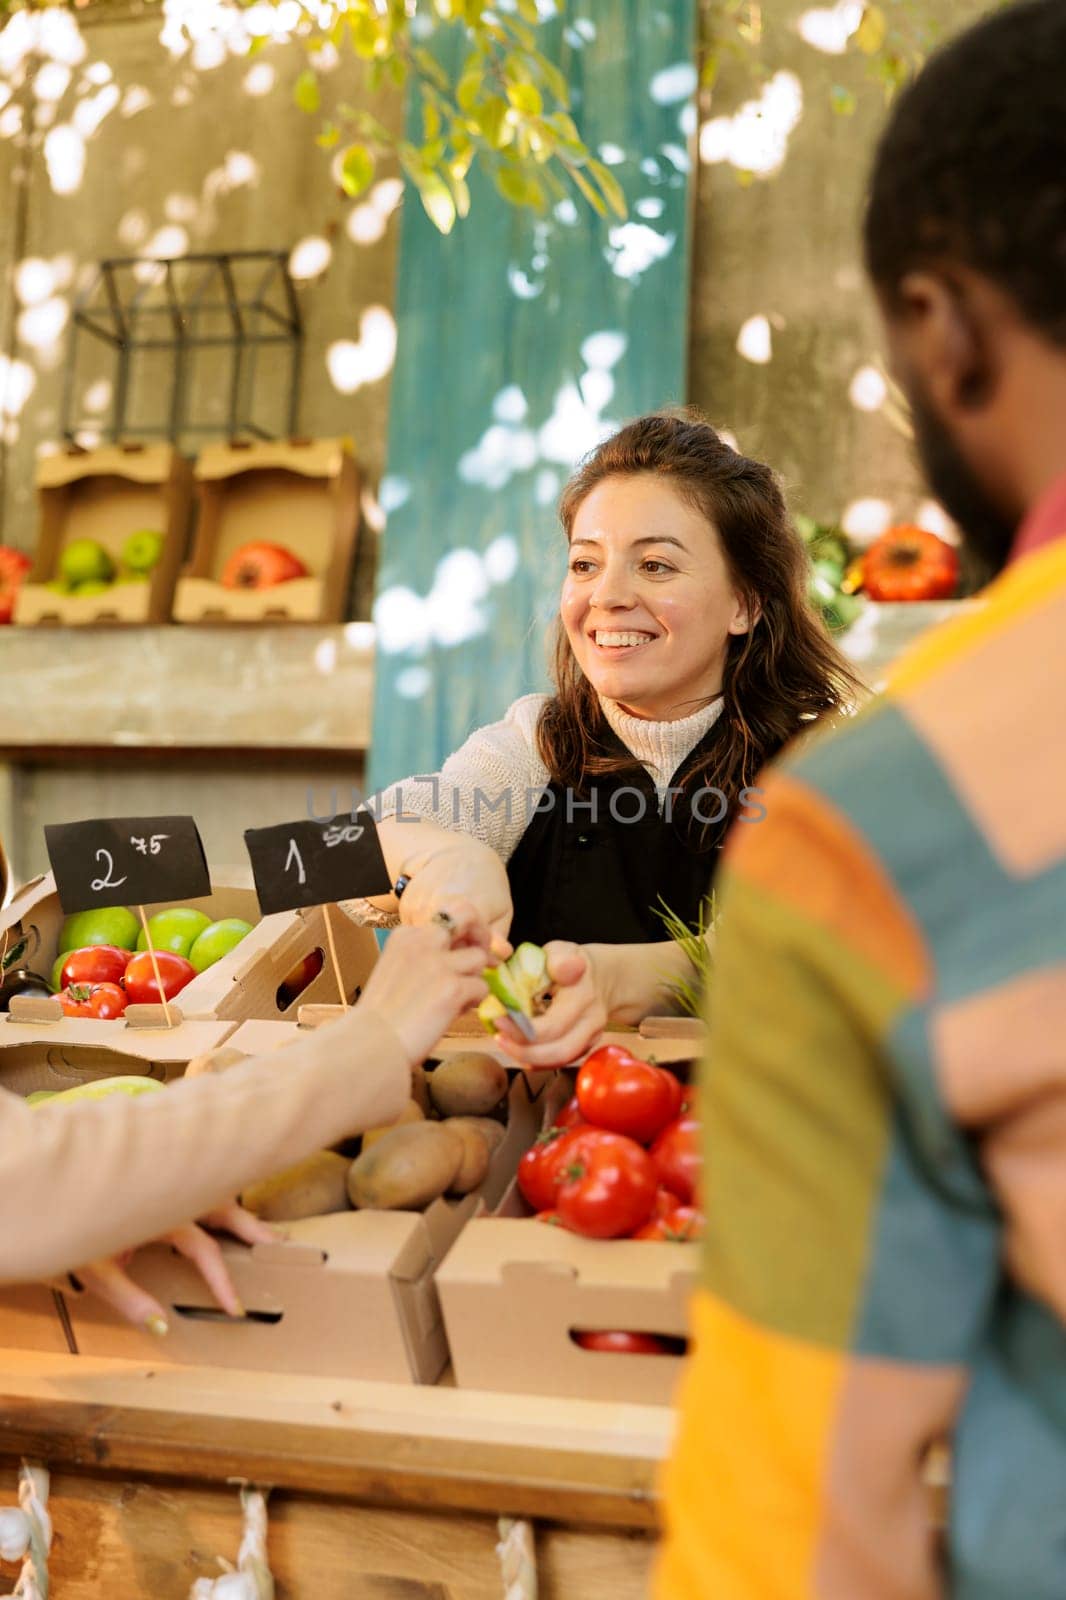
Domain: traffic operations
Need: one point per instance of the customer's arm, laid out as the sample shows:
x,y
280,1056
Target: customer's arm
x,y
85,1180
842,1296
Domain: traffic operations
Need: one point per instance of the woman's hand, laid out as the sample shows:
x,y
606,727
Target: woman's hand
x,y
110,1281
577,1014
444,867
427,976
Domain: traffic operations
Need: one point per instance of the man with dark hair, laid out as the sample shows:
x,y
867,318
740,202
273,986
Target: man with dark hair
x,y
886,1140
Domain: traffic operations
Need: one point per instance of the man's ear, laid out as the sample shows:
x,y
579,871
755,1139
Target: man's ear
x,y
942,340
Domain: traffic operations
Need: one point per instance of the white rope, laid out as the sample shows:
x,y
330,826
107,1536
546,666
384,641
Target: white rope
x,y
251,1579
518,1559
26,1533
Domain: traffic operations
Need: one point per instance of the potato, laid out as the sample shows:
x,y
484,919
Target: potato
x,y
312,1188
420,1090
407,1168
468,1085
412,1112
495,1132
476,1154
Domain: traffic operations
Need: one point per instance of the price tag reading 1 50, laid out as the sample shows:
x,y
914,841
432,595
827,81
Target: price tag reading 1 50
x,y
127,861
310,863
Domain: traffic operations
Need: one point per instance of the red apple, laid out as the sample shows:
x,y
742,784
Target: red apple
x,y
260,566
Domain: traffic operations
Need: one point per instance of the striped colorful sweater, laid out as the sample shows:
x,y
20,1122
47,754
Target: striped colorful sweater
x,y
885,1123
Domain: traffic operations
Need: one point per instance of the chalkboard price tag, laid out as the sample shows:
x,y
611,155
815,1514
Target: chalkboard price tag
x,y
309,863
127,861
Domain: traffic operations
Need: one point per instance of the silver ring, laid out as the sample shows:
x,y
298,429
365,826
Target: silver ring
x,y
441,919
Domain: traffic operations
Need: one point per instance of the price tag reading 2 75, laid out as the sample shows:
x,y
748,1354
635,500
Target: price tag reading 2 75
x,y
310,863
127,861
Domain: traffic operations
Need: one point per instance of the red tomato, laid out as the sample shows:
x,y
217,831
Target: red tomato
x,y
665,1203
571,1115
684,1223
103,1000
538,1170
260,565
678,1156
141,987
94,963
14,566
632,1344
606,1186
618,1091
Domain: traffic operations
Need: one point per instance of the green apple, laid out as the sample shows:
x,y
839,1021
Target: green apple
x,y
94,586
100,1089
104,925
58,586
85,561
217,941
131,577
177,929
142,550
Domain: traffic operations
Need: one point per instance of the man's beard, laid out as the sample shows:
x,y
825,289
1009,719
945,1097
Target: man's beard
x,y
986,531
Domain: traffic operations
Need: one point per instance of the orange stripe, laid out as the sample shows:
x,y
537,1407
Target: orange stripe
x,y
743,1489
808,856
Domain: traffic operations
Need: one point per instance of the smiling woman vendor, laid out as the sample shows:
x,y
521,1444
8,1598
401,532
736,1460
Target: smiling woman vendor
x,y
686,656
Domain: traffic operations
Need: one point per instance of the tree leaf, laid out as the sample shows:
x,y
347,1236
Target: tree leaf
x,y
357,169
594,198
491,118
554,81
519,187
460,190
526,98
469,88
872,31
842,100
613,192
437,200
305,91
328,137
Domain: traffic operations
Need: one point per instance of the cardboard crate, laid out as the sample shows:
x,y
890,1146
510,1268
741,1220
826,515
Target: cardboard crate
x,y
513,1290
243,984
351,1295
30,1319
106,495
303,495
34,1316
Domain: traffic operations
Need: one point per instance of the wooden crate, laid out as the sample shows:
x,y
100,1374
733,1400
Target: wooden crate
x,y
106,495
303,495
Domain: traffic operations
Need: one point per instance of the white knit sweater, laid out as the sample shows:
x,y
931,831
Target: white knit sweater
x,y
490,787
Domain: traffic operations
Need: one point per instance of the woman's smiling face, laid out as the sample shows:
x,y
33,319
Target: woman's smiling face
x,y
648,603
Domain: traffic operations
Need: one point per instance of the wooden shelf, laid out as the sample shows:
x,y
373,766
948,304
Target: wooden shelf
x,y
281,687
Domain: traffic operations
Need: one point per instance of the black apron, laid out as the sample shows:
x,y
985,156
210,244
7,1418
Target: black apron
x,y
589,875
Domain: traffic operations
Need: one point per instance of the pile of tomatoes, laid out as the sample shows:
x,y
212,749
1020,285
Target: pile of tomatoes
x,y
623,1158
101,980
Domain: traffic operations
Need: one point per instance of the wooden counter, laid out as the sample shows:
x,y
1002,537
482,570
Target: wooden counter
x,y
382,1492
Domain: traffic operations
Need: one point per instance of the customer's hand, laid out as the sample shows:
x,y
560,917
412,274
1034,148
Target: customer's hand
x,y
574,1020
454,867
427,975
109,1281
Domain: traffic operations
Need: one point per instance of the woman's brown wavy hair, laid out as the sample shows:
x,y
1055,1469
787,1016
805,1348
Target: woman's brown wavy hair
x,y
780,677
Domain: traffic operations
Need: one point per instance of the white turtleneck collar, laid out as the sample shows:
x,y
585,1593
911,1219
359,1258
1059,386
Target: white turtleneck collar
x,y
660,747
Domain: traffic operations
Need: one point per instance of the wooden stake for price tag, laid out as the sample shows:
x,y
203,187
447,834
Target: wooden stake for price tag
x,y
155,967
333,957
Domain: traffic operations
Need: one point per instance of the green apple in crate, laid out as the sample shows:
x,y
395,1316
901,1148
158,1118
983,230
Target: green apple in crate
x,y
103,925
176,930
141,551
85,561
217,941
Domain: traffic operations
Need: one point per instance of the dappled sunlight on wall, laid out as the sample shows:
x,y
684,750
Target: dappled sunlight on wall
x,y
755,139
829,28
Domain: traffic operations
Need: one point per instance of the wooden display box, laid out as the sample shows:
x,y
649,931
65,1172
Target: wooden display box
x,y
106,495
514,1290
245,983
351,1295
303,495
